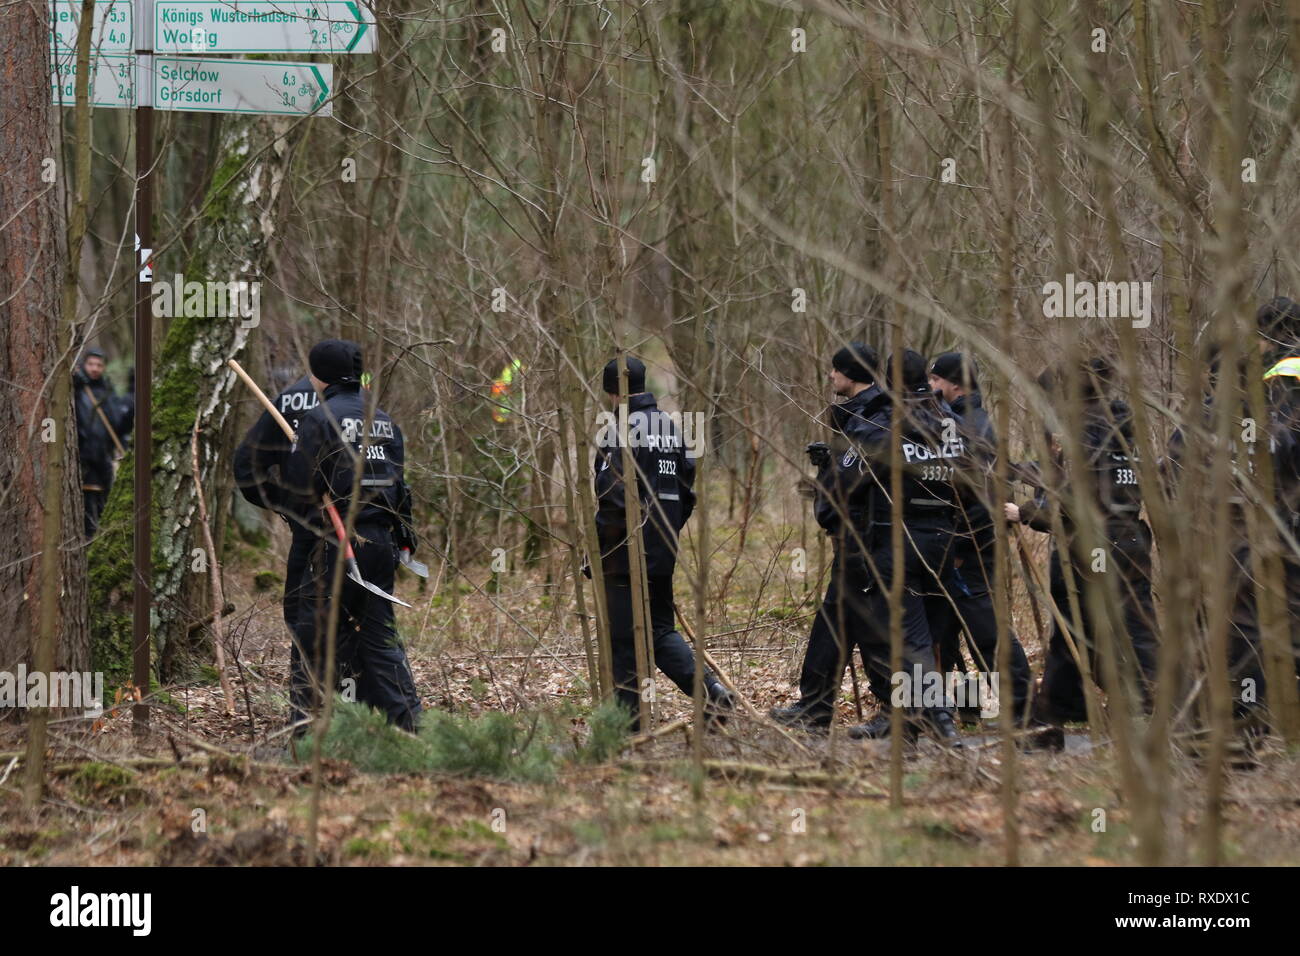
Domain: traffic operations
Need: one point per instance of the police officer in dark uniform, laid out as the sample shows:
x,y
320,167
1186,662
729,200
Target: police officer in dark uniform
x,y
331,442
933,468
841,497
664,478
126,410
971,572
261,473
93,395
1197,432
1108,474
1278,322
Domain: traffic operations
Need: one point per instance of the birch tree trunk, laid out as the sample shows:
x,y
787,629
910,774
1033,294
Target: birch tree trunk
x,y
236,227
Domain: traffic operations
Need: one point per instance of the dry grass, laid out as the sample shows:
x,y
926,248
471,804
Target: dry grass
x,y
115,801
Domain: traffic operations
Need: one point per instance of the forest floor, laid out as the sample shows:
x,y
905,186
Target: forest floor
x,y
207,787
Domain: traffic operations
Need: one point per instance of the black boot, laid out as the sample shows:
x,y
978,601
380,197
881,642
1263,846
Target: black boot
x,y
720,705
801,716
944,728
877,728
1045,729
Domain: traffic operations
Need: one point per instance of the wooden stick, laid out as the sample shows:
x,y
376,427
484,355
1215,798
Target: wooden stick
x,y
214,571
728,683
663,731
793,776
121,452
261,397
227,609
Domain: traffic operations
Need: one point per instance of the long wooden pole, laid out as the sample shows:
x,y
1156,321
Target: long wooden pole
x,y
99,410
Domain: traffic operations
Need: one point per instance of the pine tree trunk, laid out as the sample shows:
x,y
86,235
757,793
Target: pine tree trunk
x,y
30,310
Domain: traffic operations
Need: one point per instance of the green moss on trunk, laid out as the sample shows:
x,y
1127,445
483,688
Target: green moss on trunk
x,y
191,381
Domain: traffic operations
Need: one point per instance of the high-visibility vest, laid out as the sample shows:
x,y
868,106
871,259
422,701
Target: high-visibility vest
x,y
1289,366
501,390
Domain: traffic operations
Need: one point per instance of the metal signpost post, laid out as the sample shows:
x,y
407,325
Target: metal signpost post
x,y
142,593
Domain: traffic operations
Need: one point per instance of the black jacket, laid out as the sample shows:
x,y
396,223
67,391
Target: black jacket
x,y
665,481
843,490
329,439
935,465
1109,466
94,444
973,523
262,458
1284,444
933,468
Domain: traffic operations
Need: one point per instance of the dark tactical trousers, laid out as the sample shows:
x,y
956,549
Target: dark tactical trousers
x,y
1245,656
368,650
836,627
296,584
295,587
1129,559
672,654
93,501
924,551
967,605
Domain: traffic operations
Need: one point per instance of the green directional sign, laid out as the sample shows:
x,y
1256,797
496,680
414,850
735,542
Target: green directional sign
x,y
111,32
194,85
112,80
263,26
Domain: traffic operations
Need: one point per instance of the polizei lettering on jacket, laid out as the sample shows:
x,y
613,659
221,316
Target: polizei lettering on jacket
x,y
914,451
298,401
353,427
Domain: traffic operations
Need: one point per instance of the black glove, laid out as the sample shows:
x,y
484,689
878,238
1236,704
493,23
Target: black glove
x,y
819,453
405,537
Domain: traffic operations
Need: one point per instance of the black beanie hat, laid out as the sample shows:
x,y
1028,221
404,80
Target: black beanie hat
x,y
1279,321
915,378
335,361
1095,376
955,368
857,362
635,376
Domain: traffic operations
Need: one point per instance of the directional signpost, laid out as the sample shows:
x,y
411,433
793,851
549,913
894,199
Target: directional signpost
x,y
112,76
112,80
111,32
263,26
126,73
193,85
198,85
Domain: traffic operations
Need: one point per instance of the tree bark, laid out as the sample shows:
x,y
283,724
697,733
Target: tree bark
x,y
238,222
31,259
